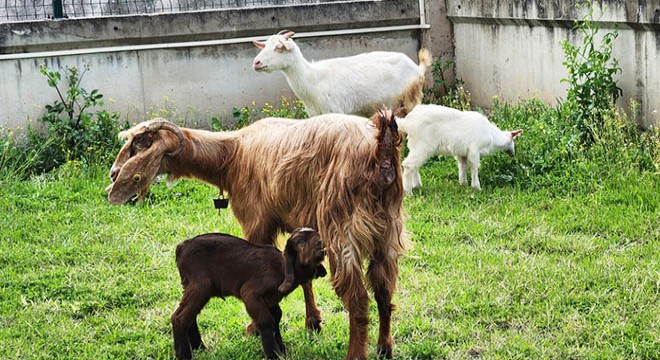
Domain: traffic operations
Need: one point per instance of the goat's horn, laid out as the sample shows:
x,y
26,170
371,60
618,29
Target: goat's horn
x,y
157,125
286,33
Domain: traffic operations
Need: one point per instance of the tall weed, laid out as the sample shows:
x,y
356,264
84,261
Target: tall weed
x,y
591,70
73,131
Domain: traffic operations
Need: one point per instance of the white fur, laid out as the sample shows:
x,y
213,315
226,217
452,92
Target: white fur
x,y
439,130
350,85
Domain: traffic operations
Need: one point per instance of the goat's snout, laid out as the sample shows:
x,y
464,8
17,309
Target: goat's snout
x,y
258,66
114,172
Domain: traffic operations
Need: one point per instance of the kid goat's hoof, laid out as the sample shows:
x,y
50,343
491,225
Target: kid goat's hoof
x,y
314,325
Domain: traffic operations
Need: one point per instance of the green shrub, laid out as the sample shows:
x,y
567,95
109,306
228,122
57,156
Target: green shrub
x,y
551,155
591,70
73,131
451,94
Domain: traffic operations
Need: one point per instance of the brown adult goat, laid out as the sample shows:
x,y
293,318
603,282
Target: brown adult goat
x,y
223,265
340,174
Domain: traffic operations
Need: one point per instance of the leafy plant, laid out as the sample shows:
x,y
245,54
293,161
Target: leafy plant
x,y
75,131
451,94
591,70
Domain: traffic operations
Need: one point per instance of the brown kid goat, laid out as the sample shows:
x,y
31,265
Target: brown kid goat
x,y
219,265
340,174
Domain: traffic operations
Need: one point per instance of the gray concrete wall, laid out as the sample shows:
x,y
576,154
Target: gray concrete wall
x,y
511,49
200,79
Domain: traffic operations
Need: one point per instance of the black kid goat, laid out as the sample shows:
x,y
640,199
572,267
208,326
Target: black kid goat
x,y
219,265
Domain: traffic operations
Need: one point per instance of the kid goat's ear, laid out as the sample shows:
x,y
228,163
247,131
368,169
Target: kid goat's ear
x,y
515,134
289,261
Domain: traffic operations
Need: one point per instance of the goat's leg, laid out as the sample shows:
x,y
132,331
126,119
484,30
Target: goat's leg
x,y
350,288
184,317
474,171
276,313
462,169
262,231
411,165
312,312
382,274
260,314
195,337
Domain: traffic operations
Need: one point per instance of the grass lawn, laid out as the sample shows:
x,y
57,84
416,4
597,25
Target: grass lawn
x,y
511,272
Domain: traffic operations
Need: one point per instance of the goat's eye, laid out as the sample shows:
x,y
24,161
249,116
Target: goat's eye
x,y
137,178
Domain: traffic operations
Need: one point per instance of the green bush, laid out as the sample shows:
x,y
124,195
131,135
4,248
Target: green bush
x,y
551,155
591,70
451,94
73,131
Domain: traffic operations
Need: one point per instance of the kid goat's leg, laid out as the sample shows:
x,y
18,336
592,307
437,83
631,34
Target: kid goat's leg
x,y
276,313
184,318
462,169
260,314
265,233
415,159
474,173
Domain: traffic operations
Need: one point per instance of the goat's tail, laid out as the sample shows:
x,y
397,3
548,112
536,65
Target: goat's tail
x,y
425,59
387,151
179,250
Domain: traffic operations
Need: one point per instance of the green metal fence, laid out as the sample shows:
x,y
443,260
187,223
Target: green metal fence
x,y
24,10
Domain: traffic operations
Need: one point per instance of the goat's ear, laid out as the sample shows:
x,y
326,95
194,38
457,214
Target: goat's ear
x,y
289,262
259,44
136,175
516,133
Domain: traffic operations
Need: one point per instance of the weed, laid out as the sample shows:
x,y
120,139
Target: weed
x,y
73,132
451,94
591,69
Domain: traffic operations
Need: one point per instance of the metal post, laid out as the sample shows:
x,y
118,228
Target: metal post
x,y
58,10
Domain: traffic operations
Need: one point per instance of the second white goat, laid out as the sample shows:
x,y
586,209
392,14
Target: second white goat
x,y
357,85
439,130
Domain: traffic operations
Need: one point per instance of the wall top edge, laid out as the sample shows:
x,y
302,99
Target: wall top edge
x,y
552,23
80,33
605,11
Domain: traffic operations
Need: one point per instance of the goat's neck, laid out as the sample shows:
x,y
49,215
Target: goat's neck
x,y
205,156
301,75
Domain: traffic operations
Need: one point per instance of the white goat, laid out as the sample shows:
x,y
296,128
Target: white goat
x,y
467,135
350,85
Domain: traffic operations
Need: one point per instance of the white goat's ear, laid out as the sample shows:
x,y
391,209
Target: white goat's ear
x,y
259,44
516,133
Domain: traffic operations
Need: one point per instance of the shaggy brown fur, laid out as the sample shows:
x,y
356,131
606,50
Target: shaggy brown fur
x,y
327,172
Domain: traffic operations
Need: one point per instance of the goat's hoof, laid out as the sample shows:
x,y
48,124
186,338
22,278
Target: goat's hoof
x,y
314,325
384,352
252,330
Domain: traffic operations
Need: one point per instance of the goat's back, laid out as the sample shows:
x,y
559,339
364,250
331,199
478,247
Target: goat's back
x,y
357,84
448,131
224,263
321,172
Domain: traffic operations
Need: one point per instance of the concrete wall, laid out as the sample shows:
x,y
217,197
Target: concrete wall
x,y
178,61
511,49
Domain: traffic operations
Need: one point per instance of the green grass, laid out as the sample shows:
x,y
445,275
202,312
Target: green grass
x,y
557,258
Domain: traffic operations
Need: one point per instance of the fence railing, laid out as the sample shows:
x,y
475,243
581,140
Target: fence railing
x,y
22,10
